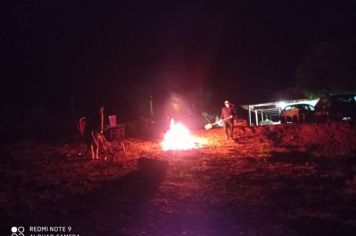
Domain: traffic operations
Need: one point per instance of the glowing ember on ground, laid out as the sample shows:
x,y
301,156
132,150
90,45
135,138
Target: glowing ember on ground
x,y
178,137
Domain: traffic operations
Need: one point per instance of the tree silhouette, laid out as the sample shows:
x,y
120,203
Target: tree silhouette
x,y
331,68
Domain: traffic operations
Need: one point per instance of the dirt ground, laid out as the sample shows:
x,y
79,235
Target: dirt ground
x,y
294,179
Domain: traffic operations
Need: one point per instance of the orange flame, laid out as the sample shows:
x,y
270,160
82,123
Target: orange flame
x,y
178,137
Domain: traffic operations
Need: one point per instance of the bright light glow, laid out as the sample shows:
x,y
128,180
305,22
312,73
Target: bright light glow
x,y
281,104
310,102
178,137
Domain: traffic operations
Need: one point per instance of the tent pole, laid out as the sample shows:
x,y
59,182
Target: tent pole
x,y
249,115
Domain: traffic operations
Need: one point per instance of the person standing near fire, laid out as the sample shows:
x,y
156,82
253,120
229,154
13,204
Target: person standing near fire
x,y
92,133
227,115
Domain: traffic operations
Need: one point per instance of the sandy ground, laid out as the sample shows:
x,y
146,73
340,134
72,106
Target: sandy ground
x,y
289,179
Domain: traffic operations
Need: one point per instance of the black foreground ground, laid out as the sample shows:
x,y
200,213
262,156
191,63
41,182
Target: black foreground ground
x,y
280,180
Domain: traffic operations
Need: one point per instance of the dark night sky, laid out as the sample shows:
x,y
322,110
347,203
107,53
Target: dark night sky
x,y
121,50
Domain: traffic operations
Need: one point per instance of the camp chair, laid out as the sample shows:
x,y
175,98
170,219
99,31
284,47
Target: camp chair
x,y
115,129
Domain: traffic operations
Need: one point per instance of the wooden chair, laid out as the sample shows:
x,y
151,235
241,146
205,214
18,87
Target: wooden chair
x,y
115,129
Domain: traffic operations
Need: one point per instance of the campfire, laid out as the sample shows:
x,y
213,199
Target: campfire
x,y
178,137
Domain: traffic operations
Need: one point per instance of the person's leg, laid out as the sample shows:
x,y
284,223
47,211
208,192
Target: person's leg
x,y
97,152
92,153
232,129
94,146
226,129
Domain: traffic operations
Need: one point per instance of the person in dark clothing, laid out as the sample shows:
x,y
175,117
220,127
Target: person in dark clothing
x,y
227,115
88,131
91,133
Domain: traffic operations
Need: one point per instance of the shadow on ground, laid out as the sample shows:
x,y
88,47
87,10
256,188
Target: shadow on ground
x,y
106,209
293,157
